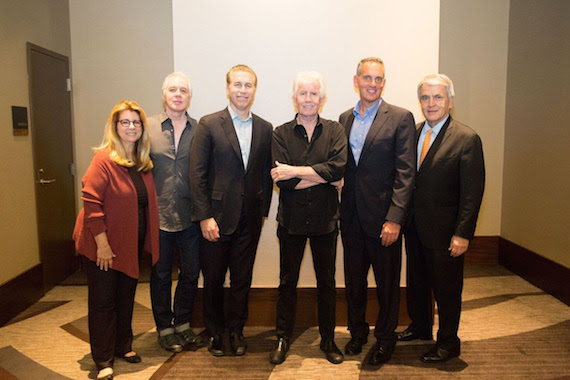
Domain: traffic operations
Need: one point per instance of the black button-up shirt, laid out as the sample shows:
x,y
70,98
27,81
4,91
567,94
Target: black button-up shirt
x,y
314,210
171,171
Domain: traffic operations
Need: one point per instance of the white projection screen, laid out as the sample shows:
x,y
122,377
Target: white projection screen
x,y
277,39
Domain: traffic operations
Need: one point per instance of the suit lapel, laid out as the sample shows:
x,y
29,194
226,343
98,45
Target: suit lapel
x,y
228,127
255,141
377,124
443,135
348,127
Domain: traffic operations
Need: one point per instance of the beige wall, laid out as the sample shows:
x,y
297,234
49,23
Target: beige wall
x,y
43,23
121,50
536,189
473,53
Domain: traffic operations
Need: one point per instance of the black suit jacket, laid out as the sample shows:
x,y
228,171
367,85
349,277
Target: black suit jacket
x,y
220,186
380,187
449,186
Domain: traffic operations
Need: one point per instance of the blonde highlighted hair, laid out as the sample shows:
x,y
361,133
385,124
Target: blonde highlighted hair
x,y
112,141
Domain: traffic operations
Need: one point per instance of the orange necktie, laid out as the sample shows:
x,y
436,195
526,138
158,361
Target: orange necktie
x,y
425,146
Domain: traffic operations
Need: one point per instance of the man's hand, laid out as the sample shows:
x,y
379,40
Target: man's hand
x,y
458,246
390,233
210,229
283,172
338,184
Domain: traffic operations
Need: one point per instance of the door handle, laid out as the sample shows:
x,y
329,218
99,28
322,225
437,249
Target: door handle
x,y
45,181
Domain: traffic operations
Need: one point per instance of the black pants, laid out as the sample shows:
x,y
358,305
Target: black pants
x,y
111,300
292,248
360,252
434,269
236,252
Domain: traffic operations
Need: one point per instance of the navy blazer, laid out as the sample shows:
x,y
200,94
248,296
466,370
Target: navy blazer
x,y
380,187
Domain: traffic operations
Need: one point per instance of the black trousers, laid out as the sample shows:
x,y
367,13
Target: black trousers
x,y
236,252
111,300
433,269
360,253
292,248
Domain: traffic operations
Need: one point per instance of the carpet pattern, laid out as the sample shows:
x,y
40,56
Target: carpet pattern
x,y
509,330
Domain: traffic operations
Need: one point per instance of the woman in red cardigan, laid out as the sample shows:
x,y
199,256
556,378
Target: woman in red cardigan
x,y
118,222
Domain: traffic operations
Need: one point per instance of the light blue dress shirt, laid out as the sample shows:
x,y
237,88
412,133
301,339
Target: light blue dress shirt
x,y
360,128
423,133
243,131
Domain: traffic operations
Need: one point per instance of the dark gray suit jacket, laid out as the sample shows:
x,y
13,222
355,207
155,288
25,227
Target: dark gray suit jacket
x,y
380,187
449,186
220,186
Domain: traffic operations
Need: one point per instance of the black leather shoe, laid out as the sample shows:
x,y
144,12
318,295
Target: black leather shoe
x,y
354,346
277,355
382,353
216,345
438,355
133,359
238,344
331,351
408,335
170,343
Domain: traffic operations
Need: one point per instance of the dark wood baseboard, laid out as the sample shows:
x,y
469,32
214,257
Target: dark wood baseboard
x,y
20,293
483,250
546,274
263,307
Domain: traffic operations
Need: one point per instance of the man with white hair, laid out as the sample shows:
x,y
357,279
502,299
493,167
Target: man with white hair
x,y
449,188
309,154
171,134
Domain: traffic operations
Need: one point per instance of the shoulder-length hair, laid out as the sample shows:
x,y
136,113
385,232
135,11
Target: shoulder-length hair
x,y
112,141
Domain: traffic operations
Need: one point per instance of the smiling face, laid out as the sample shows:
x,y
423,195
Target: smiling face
x,y
176,95
241,91
435,103
370,83
131,134
308,99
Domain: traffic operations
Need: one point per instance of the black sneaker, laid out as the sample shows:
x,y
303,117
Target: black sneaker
x,y
170,343
188,337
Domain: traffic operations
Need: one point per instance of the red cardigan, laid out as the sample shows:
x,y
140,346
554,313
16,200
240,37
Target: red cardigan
x,y
110,204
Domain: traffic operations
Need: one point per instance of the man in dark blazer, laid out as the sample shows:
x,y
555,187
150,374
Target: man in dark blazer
x,y
378,186
447,197
231,190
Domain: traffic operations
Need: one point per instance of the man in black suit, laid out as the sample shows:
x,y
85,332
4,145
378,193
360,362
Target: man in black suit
x,y
231,190
378,186
449,187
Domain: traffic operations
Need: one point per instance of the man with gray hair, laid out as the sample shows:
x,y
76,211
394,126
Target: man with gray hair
x,y
171,134
378,186
309,154
449,188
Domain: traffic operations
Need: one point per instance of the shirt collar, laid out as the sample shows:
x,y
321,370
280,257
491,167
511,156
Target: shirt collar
x,y
372,110
436,128
235,115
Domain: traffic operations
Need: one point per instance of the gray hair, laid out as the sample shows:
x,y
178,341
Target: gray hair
x,y
179,75
435,80
310,77
369,59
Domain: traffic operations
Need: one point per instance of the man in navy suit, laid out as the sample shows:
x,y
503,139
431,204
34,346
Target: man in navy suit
x,y
231,190
378,185
449,188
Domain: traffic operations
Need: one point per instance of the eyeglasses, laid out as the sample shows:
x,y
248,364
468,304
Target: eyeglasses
x,y
127,123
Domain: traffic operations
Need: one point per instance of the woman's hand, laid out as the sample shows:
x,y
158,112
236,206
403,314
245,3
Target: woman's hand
x,y
104,252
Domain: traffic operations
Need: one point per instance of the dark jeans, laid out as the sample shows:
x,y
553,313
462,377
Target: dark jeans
x,y
360,252
111,300
188,244
434,269
236,252
292,248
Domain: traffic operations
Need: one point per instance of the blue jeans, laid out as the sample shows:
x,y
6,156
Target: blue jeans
x,y
188,244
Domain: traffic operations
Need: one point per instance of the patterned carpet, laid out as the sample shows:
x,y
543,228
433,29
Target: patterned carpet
x,y
509,330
